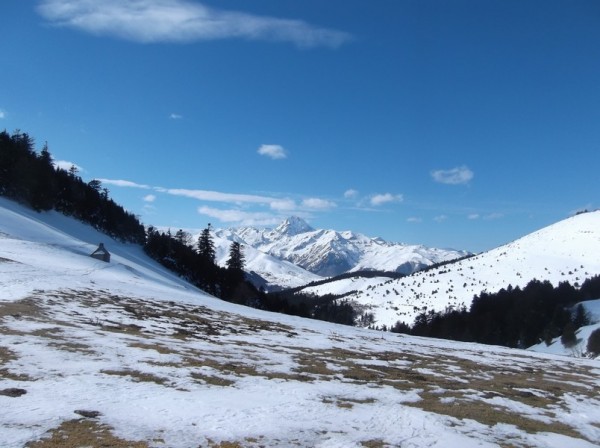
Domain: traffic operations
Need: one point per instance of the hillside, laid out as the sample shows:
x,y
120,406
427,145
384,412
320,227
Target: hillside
x,y
565,251
125,354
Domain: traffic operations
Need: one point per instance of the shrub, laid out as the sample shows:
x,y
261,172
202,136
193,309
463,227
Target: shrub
x,y
593,345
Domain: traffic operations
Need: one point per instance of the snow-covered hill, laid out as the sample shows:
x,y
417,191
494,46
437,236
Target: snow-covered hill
x,y
566,251
330,253
126,354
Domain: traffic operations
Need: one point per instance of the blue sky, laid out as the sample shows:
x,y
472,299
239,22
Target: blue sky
x,y
450,123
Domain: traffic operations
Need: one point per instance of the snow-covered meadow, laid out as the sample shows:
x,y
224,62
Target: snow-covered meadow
x,y
126,354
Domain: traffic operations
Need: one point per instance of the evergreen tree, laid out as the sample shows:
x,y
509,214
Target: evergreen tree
x,y
593,345
568,337
206,246
235,262
580,318
183,237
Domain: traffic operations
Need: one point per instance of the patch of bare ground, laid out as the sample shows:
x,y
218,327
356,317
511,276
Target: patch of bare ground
x,y
211,380
80,433
224,444
347,403
6,356
160,348
13,392
374,443
25,308
138,376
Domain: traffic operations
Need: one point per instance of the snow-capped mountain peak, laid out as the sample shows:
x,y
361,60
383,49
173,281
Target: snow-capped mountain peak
x,y
329,253
292,226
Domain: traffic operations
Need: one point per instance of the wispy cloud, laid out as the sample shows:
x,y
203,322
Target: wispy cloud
x,y
240,217
380,199
150,21
283,205
473,216
2,114
493,216
350,194
124,183
318,204
440,218
414,219
217,196
149,198
273,151
454,176
65,165
175,116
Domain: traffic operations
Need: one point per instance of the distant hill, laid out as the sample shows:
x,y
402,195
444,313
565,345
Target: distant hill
x,y
565,251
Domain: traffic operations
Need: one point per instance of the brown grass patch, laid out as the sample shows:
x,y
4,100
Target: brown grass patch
x,y
21,308
224,444
488,414
138,376
162,349
7,355
212,380
374,443
83,433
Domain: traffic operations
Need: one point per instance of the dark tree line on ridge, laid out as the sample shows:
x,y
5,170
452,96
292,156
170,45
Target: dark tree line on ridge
x,y
512,317
33,180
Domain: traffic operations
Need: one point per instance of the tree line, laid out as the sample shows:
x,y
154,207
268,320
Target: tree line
x,y
32,179
512,317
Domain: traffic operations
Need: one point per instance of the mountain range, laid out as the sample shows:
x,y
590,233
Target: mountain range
x,y
294,254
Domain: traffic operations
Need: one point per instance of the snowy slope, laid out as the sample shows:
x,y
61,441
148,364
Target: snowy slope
x,y
125,354
330,253
565,251
35,239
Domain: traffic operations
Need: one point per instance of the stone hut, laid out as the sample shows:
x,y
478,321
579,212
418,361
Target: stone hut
x,y
101,253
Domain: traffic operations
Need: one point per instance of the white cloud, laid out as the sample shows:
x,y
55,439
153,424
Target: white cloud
x,y
123,183
493,216
318,204
440,218
380,199
283,205
181,21
239,216
65,165
473,216
175,116
414,219
454,176
2,114
273,151
149,198
350,194
216,196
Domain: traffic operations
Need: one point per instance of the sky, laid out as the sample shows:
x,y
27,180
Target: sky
x,y
451,123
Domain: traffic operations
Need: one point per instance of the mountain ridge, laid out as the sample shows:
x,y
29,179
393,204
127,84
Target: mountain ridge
x,y
329,253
